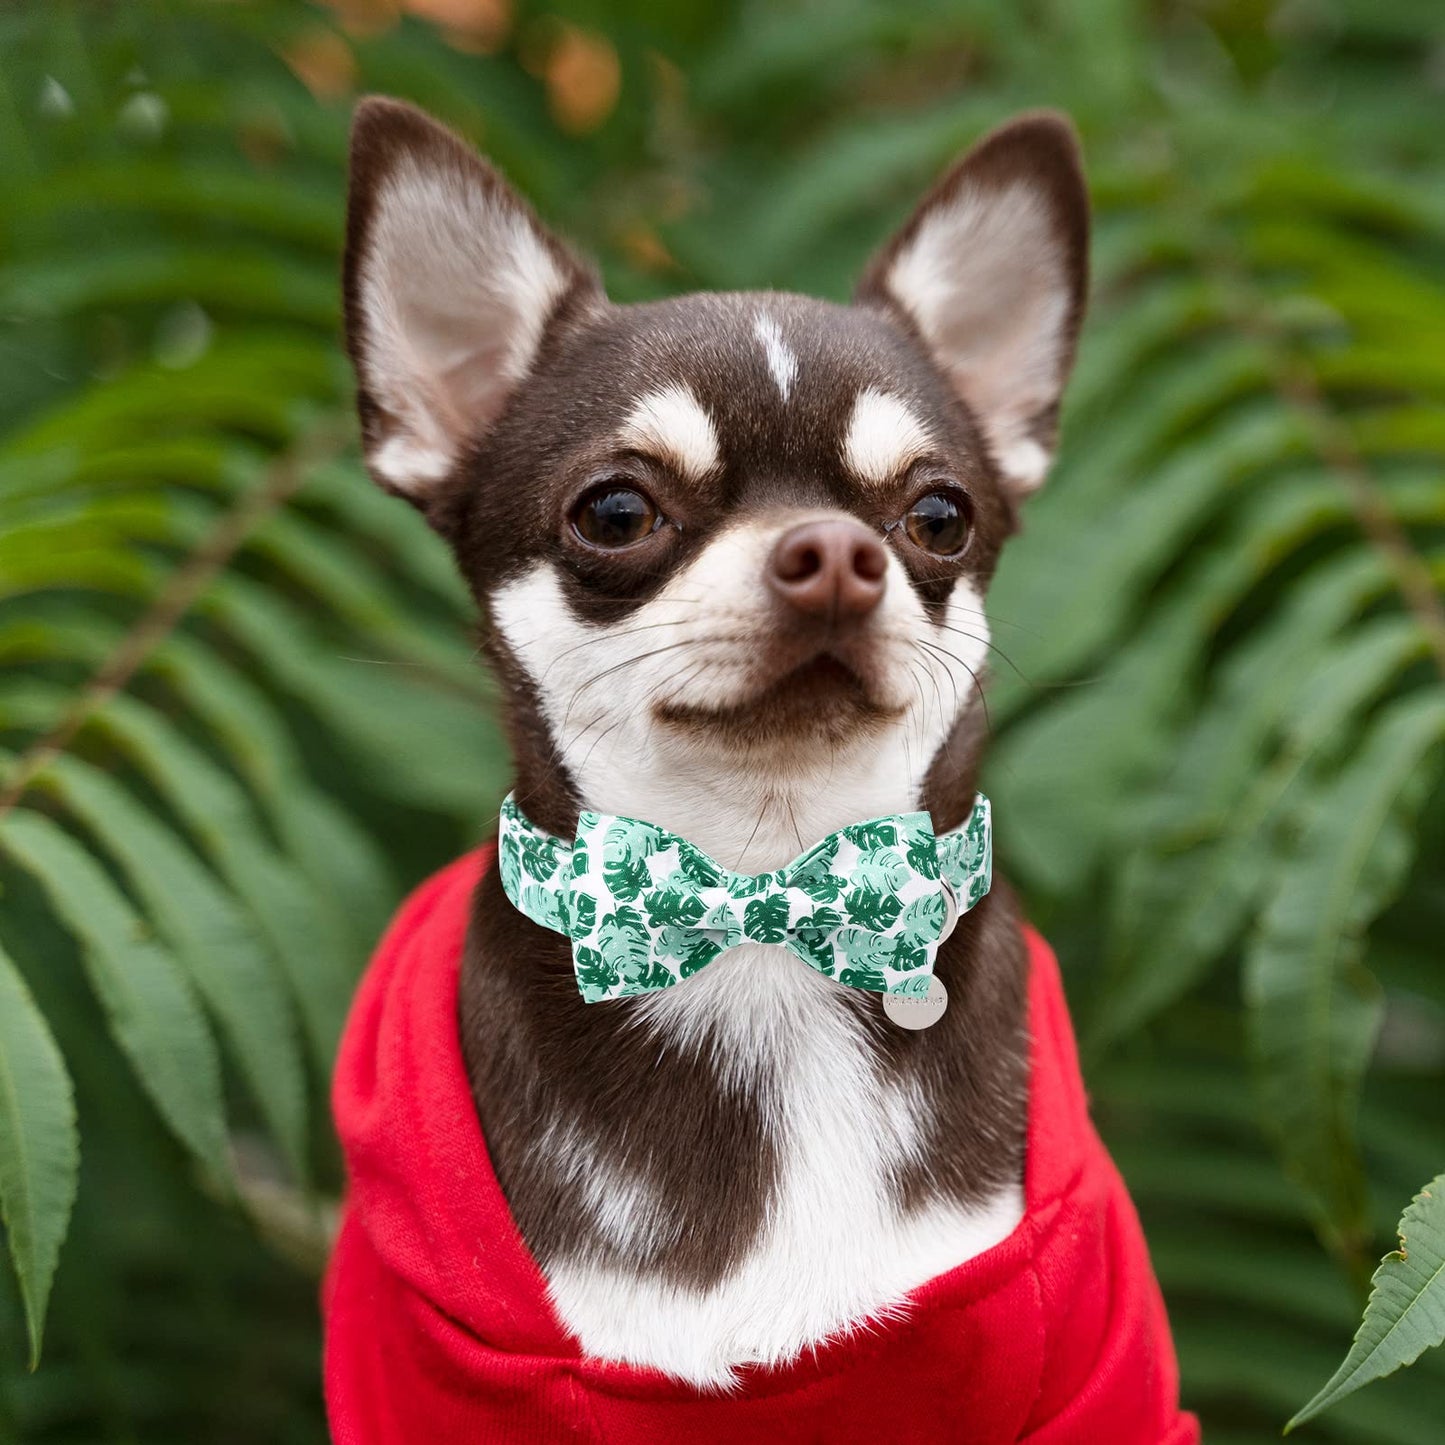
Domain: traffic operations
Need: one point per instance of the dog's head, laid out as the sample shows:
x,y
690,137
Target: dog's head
x,y
730,546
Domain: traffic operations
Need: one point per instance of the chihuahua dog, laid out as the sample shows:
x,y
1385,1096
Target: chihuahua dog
x,y
732,553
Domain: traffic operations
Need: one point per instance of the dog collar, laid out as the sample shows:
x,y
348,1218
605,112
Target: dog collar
x,y
645,909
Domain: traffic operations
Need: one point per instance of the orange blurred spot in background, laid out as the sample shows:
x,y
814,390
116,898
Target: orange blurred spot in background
x,y
479,26
645,248
366,17
581,71
323,62
476,25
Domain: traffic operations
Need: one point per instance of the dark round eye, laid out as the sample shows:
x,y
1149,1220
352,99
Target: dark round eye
x,y
615,516
939,523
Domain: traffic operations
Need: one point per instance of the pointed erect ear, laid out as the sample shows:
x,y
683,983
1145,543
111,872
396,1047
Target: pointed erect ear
x,y
990,273
450,285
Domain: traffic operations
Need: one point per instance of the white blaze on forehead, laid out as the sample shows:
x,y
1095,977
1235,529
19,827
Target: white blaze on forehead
x,y
884,437
673,425
781,361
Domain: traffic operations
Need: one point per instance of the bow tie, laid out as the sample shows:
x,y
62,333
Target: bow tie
x,y
645,909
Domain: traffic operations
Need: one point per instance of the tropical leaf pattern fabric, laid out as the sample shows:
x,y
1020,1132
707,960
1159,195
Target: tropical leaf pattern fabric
x,y
645,909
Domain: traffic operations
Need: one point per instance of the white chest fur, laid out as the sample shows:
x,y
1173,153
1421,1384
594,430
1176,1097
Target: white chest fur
x,y
834,1250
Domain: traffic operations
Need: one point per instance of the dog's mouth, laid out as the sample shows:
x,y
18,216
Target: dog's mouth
x,y
826,697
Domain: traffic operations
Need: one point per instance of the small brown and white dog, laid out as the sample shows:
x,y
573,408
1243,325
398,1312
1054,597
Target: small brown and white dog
x,y
732,551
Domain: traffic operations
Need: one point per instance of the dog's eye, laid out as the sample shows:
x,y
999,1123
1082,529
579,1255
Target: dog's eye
x,y
939,523
615,516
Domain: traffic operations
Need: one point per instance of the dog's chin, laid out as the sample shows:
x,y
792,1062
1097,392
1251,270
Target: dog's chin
x,y
823,701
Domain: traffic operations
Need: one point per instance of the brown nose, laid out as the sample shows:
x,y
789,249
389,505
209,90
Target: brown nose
x,y
834,568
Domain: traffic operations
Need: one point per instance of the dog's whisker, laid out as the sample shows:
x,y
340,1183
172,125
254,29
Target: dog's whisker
x,y
989,643
977,685
758,824
920,708
527,643
606,732
663,684
907,751
929,671
793,820
590,642
633,661
995,621
918,671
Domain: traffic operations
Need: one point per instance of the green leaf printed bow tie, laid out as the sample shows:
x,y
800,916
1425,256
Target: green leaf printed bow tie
x,y
868,906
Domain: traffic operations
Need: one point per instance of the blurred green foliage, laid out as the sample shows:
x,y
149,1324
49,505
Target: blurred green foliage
x,y
239,711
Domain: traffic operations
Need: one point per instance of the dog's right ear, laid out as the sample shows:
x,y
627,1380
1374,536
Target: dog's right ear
x,y
450,283
991,275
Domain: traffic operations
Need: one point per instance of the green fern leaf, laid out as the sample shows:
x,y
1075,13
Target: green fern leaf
x,y
1313,1010
1405,1315
39,1147
212,938
154,1016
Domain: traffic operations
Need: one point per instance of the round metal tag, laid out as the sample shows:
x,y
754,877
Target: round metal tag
x,y
917,1012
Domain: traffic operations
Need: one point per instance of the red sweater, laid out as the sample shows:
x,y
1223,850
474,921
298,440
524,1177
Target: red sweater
x,y
439,1332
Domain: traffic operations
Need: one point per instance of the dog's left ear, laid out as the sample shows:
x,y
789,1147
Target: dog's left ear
x,y
991,274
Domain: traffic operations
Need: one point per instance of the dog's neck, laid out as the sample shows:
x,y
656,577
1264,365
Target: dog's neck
x,y
753,819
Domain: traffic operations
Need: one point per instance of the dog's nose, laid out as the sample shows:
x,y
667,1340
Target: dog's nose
x,y
835,568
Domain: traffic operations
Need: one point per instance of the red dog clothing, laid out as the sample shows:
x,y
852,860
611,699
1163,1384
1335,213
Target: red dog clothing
x,y
439,1331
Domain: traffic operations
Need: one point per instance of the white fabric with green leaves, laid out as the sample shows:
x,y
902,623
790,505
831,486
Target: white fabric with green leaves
x,y
645,909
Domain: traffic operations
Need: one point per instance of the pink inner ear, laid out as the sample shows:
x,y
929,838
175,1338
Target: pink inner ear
x,y
465,356
988,281
451,282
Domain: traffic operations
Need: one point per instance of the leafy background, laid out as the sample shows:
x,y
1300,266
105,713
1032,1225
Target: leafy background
x,y
240,715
